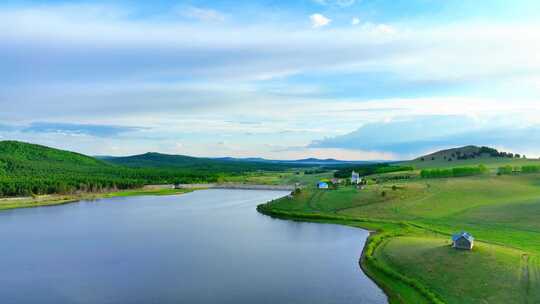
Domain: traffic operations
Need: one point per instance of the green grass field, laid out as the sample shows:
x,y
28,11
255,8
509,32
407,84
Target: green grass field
x,y
288,177
502,212
488,274
490,162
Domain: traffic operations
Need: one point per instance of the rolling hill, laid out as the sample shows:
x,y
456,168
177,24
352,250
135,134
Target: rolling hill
x,y
153,159
233,165
467,152
468,155
14,152
33,169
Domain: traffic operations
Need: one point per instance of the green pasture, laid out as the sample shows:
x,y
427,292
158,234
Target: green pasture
x,y
490,162
502,212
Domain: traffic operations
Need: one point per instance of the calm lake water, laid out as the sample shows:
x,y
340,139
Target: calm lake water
x,y
203,247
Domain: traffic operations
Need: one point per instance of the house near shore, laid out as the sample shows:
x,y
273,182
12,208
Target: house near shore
x,y
355,178
322,185
463,240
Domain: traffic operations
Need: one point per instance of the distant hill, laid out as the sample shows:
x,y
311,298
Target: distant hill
x,y
158,160
34,169
468,156
331,161
464,153
306,161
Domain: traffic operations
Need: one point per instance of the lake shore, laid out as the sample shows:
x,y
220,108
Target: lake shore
x,y
237,186
55,200
60,199
388,280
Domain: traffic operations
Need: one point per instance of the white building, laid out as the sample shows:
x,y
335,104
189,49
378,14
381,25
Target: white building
x,y
355,178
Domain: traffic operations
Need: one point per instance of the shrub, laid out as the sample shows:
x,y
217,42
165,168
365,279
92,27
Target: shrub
x,y
506,170
530,169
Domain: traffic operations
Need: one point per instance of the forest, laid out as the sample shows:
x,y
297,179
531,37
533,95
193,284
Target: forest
x,y
28,169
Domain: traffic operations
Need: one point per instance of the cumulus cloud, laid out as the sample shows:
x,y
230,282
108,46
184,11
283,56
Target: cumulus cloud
x,y
318,20
355,21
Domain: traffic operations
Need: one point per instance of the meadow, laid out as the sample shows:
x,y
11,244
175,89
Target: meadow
x,y
410,255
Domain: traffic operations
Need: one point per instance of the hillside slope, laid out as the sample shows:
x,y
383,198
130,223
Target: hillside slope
x,y
33,169
14,151
466,156
467,152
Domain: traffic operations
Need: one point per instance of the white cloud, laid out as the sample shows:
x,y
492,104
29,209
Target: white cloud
x,y
318,20
114,47
355,21
379,29
202,14
175,76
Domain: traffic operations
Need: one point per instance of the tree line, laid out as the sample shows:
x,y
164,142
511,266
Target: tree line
x,y
453,172
365,170
508,170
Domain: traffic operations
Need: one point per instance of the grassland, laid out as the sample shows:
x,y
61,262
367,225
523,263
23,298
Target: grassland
x,y
410,256
286,177
490,162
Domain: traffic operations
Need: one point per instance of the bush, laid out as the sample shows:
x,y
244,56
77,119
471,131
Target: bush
x,y
530,169
506,170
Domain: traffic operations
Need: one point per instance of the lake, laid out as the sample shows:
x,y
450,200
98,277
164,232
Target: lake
x,y
208,246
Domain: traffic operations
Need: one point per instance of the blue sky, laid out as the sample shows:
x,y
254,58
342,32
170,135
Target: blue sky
x,y
364,79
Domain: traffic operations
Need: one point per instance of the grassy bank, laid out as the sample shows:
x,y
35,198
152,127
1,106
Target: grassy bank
x,y
410,255
398,288
52,200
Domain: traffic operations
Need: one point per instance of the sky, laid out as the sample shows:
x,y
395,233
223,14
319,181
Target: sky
x,y
344,79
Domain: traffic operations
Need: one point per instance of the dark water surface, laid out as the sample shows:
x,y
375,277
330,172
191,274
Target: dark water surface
x,y
203,247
